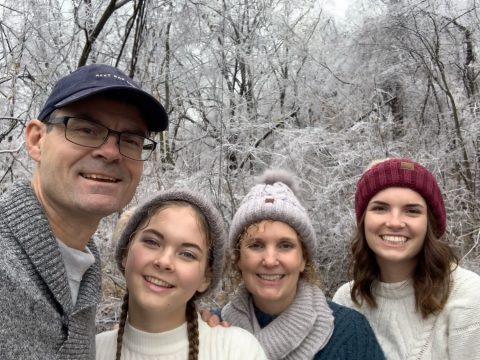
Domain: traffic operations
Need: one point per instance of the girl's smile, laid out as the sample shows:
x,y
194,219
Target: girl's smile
x,y
395,230
157,284
165,266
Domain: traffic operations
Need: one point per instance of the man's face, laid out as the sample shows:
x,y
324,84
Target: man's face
x,y
79,181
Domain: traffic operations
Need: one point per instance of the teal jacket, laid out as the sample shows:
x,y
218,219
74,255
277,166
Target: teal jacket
x,y
352,338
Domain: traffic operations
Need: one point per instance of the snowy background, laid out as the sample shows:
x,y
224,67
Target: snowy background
x,y
317,87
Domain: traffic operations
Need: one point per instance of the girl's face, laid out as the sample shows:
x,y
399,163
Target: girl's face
x,y
395,230
271,261
164,267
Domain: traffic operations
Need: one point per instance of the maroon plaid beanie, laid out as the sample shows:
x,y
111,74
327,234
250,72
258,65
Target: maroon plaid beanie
x,y
401,173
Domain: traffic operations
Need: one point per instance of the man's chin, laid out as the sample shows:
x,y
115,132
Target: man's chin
x,y
102,208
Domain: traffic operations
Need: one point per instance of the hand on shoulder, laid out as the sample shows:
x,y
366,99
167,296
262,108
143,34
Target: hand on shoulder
x,y
212,319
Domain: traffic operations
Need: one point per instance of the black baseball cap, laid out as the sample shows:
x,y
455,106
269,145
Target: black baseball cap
x,y
94,79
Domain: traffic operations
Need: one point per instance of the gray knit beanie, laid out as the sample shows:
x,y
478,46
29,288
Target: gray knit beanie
x,y
274,199
215,222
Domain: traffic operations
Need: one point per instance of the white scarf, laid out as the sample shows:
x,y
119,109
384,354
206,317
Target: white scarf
x,y
298,333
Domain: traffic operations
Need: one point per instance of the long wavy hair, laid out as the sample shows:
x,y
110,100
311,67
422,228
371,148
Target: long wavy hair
x,y
191,311
431,278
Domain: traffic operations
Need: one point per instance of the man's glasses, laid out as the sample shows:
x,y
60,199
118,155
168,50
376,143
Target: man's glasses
x,y
93,135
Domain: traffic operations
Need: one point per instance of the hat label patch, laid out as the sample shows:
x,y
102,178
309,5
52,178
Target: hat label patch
x,y
407,166
269,200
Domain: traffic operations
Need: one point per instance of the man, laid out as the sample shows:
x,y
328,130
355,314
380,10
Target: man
x,y
89,143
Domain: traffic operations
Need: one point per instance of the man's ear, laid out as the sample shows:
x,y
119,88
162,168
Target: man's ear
x,y
34,134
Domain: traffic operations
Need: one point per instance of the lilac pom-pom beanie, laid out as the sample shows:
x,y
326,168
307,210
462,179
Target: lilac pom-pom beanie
x,y
274,199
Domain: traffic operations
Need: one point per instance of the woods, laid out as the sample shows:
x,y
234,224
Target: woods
x,y
269,83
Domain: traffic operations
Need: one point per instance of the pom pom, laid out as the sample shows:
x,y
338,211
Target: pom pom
x,y
273,176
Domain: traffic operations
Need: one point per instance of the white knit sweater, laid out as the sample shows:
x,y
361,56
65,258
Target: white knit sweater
x,y
216,343
453,334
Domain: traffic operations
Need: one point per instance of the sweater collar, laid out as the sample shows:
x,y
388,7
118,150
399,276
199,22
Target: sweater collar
x,y
298,333
27,220
397,290
164,343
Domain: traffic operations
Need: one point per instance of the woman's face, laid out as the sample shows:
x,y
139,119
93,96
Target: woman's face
x,y
165,266
395,230
271,261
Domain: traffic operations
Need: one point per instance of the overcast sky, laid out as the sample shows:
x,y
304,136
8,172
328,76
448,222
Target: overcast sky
x,y
337,7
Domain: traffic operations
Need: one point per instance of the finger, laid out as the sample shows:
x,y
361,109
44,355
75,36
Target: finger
x,y
205,315
213,321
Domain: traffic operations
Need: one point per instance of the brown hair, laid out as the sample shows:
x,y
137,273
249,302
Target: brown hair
x,y
121,326
191,312
311,275
431,278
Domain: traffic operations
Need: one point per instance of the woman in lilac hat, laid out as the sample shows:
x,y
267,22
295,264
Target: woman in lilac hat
x,y
406,279
272,251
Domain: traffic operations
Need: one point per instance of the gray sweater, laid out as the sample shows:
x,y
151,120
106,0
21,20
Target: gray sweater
x,y
37,317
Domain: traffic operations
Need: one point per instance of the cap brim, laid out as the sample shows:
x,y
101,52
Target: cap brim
x,y
157,119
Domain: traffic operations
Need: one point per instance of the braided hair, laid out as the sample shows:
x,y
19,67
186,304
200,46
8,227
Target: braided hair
x,y
192,328
121,326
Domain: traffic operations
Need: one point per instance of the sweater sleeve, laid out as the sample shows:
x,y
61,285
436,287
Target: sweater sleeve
x,y
217,312
464,316
352,339
245,346
106,345
342,295
231,343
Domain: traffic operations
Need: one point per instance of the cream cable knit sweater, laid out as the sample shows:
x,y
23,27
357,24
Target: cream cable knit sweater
x,y
453,334
216,343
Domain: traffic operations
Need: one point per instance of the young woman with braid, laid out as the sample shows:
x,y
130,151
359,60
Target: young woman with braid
x,y
171,253
406,279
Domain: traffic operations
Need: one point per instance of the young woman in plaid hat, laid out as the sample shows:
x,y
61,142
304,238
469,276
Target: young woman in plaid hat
x,y
406,278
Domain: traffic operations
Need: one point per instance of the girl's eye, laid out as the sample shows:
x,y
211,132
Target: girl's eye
x,y
378,208
414,211
150,242
189,255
